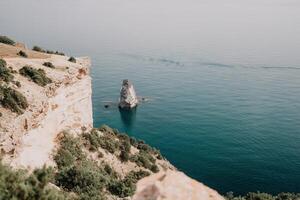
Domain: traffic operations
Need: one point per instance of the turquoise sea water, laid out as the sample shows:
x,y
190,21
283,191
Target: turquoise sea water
x,y
222,79
235,128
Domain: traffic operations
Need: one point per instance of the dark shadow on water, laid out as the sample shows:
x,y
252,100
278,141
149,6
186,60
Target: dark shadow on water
x,y
128,118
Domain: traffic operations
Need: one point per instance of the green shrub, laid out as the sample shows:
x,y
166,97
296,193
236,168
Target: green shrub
x,y
82,177
154,168
263,196
124,156
6,40
48,64
22,54
36,75
122,188
135,176
18,84
106,129
70,151
72,59
13,100
127,186
106,141
3,62
145,160
19,184
259,196
5,73
39,49
59,53
133,142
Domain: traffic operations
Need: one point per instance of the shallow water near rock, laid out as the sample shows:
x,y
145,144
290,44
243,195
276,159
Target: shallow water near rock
x,y
222,79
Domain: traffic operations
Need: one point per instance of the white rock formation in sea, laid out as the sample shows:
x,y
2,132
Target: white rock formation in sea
x,y
128,98
173,185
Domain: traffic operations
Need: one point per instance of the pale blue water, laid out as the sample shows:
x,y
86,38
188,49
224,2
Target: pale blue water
x,y
222,78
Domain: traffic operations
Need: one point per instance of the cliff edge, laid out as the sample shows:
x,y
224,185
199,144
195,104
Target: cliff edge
x,y
27,139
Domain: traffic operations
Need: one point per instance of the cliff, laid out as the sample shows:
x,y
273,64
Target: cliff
x,y
54,128
65,104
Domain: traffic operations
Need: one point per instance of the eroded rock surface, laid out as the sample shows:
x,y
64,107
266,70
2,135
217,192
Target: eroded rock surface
x,y
128,98
173,185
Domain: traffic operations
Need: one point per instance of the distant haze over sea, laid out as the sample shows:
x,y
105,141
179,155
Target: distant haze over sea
x,y
222,78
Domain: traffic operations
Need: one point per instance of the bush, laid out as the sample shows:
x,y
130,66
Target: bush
x,y
154,168
22,54
135,176
18,84
6,40
19,184
39,49
5,73
133,142
13,100
105,141
76,173
70,151
72,59
263,196
59,53
124,156
145,160
36,75
83,177
122,188
48,64
127,186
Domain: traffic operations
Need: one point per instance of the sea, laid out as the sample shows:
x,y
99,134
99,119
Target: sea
x,y
220,79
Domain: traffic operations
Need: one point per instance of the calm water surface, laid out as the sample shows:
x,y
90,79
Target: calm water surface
x,y
222,79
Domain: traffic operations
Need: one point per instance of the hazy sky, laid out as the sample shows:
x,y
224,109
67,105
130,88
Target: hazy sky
x,y
248,28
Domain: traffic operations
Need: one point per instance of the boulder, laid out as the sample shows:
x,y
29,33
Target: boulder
x,y
128,98
173,185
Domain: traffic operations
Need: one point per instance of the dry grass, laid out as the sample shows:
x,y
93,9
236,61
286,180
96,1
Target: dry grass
x,y
8,51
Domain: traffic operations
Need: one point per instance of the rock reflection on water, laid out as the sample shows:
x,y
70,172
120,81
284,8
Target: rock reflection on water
x,y
128,117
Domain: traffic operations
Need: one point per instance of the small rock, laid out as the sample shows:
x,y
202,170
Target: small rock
x,y
128,98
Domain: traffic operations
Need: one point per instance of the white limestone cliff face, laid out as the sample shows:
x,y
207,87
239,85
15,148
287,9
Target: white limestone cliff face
x,y
28,140
70,110
173,185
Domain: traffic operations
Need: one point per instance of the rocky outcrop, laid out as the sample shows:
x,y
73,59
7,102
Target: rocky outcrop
x,y
128,98
173,185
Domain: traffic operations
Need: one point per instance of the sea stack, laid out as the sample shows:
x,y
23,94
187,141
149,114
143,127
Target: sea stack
x,y
128,98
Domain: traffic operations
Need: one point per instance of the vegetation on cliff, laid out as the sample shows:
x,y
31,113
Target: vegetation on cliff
x,y
5,73
48,64
72,59
12,99
36,75
120,144
40,49
87,178
23,54
6,40
19,184
264,196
